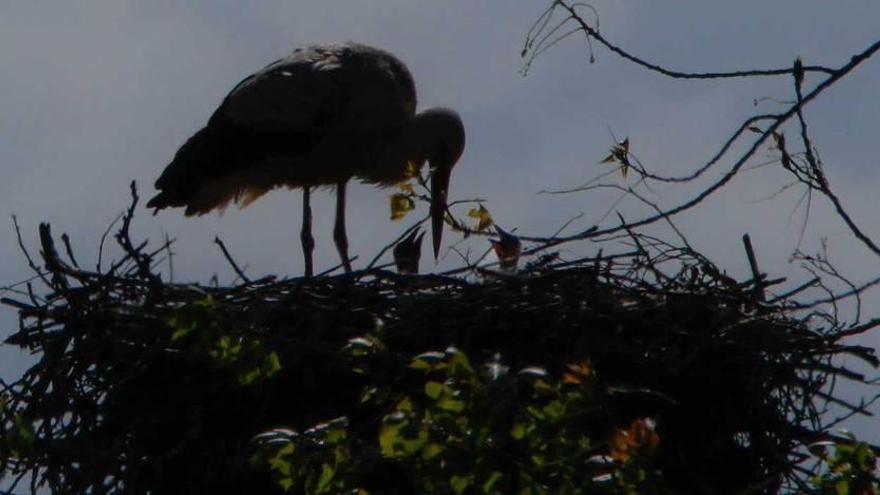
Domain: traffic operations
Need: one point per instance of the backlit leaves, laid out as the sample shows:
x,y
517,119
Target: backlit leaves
x,y
314,462
199,327
401,204
461,428
620,154
18,437
849,467
482,216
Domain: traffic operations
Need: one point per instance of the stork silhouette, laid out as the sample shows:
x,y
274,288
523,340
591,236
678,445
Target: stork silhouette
x,y
319,117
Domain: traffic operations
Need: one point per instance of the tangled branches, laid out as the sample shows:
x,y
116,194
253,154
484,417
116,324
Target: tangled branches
x,y
564,19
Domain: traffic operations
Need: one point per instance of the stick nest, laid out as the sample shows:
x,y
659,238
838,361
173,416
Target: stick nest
x,y
147,386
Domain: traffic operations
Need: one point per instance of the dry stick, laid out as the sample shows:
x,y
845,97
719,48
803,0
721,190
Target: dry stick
x,y
168,242
27,254
395,241
340,265
798,72
567,223
843,295
753,264
859,329
231,261
50,256
590,32
66,240
837,421
104,238
841,212
827,268
642,252
124,239
790,293
745,126
127,259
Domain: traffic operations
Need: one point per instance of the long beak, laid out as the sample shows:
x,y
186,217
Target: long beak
x,y
439,191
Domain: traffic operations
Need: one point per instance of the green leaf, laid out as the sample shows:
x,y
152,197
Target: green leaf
x,y
426,361
489,485
271,365
518,432
434,389
554,410
393,443
336,435
450,404
432,450
460,483
483,217
286,482
542,387
459,362
405,405
20,438
182,332
324,483
401,204
389,438
368,394
249,377
279,461
359,346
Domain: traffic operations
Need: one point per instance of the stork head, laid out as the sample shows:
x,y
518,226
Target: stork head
x,y
443,137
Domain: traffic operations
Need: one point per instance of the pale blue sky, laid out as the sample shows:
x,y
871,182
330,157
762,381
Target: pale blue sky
x,y
94,94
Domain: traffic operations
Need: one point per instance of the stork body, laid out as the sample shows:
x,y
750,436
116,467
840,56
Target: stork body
x,y
318,117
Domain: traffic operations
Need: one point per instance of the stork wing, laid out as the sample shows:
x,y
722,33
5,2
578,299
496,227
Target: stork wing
x,y
321,89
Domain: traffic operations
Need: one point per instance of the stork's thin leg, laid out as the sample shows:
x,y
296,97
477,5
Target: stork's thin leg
x,y
305,235
339,227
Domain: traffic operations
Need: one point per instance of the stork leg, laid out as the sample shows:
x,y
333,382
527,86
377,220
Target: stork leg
x,y
305,235
339,227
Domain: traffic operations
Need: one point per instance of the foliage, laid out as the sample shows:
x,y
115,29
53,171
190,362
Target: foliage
x,y
198,327
464,429
850,468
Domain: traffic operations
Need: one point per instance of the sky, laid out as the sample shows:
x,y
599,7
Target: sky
x,y
95,94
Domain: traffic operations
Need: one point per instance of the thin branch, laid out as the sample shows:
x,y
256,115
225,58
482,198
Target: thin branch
x,y
231,261
590,32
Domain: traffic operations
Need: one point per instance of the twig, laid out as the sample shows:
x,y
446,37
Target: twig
x,y
753,264
66,240
590,32
104,238
231,261
33,266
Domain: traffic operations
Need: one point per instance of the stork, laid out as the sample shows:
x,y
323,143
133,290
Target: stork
x,y
318,117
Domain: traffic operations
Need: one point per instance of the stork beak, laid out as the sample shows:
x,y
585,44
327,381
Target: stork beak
x,y
439,191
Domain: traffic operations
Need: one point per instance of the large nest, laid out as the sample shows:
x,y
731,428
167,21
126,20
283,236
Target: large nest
x,y
146,386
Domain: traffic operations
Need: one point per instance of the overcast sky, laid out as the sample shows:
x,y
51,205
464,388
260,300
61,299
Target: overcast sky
x,y
94,94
